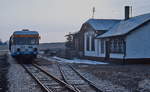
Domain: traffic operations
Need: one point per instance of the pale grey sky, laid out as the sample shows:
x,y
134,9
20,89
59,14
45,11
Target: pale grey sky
x,y
55,18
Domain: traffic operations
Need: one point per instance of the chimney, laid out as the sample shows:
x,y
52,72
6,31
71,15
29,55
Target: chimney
x,y
127,12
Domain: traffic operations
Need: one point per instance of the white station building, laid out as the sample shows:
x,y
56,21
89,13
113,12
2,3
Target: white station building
x,y
112,40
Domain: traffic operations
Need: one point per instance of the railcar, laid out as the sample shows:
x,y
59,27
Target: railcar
x,y
24,44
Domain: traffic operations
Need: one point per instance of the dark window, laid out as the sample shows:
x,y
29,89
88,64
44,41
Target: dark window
x,y
117,46
93,43
87,43
102,46
25,41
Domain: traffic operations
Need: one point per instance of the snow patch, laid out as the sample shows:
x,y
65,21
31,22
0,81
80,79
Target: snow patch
x,y
58,59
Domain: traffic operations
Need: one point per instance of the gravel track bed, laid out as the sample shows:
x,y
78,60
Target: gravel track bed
x,y
104,85
70,76
4,65
117,78
53,69
73,78
46,80
20,80
135,78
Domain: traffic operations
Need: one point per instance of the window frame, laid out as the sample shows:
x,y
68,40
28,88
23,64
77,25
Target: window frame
x,y
117,45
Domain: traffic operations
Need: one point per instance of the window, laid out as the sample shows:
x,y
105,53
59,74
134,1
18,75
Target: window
x,y
117,46
102,46
87,43
25,41
93,43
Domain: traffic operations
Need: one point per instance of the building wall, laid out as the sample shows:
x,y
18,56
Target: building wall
x,y
78,41
99,54
138,43
117,55
112,55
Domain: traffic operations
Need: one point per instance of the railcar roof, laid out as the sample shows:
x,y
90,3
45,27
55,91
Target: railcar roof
x,y
25,33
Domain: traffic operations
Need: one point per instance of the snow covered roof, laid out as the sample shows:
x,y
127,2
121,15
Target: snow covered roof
x,y
125,26
102,24
25,33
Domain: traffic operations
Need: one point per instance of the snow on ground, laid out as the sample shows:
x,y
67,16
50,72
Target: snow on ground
x,y
58,59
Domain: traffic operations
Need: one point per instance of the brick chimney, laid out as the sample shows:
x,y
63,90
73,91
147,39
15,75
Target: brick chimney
x,y
127,12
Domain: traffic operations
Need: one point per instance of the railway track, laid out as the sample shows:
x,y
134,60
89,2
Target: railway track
x,y
74,78
48,82
69,79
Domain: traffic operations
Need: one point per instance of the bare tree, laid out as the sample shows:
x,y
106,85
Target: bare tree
x,y
69,43
1,42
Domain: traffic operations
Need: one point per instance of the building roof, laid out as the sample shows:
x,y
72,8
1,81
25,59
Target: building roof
x,y
26,32
102,24
125,26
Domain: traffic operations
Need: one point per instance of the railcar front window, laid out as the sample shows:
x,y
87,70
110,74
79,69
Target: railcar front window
x,y
25,41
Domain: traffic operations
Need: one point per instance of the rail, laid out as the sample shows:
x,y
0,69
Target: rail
x,y
90,82
44,87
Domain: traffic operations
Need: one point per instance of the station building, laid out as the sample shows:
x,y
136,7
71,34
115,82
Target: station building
x,y
129,40
117,40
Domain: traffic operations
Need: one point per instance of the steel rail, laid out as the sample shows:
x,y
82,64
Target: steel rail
x,y
64,78
89,82
70,87
37,80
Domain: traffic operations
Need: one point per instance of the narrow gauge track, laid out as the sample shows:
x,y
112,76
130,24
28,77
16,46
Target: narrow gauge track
x,y
74,78
47,82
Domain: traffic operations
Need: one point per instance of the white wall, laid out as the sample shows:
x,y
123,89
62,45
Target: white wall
x,y
112,55
138,43
117,55
99,54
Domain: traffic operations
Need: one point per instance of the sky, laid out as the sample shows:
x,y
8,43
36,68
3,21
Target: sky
x,y
53,19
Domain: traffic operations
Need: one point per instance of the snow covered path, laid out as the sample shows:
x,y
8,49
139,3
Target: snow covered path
x,y
83,61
